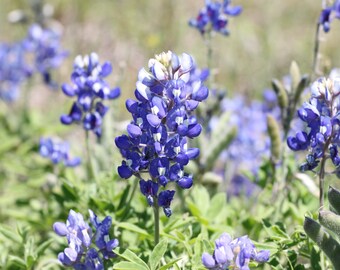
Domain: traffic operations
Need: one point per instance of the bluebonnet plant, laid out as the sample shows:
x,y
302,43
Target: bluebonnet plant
x,y
214,17
57,152
46,49
14,70
328,14
90,88
157,139
233,254
87,249
320,115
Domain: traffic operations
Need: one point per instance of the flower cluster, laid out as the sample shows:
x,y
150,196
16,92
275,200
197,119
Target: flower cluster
x,y
87,249
13,70
233,254
91,89
214,17
157,139
328,14
48,55
321,116
57,152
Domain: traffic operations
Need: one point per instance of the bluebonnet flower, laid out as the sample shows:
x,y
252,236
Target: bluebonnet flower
x,y
87,249
214,17
328,14
91,89
14,70
157,139
57,152
46,48
233,254
321,117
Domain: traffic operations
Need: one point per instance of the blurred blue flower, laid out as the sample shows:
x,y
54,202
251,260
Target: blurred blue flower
x,y
214,17
46,48
91,89
157,139
235,253
57,152
328,14
251,146
79,254
14,70
321,133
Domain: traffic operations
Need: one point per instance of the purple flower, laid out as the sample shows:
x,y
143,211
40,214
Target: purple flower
x,y
214,17
236,253
157,138
57,152
328,14
101,238
79,254
90,88
13,70
320,116
46,48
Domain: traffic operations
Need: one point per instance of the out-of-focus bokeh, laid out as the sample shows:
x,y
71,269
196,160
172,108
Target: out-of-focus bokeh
x,y
263,40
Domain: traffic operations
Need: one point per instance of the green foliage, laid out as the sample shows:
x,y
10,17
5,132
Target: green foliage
x,y
323,234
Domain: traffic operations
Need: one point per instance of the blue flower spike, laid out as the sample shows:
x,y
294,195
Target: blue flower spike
x,y
162,122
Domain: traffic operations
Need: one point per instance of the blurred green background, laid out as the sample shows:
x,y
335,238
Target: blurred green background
x,y
264,39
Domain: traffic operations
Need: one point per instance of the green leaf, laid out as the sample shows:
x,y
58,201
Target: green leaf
x,y
167,266
10,234
128,266
17,261
334,199
201,199
69,191
325,241
330,221
216,205
30,261
41,249
157,254
133,258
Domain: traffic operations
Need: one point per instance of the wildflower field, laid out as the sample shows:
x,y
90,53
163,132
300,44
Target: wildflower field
x,y
170,134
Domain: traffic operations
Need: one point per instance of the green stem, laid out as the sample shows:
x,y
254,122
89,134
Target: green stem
x,y
156,215
322,181
322,172
90,169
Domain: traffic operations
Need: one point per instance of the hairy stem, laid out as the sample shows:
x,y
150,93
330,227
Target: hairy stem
x,y
156,215
90,169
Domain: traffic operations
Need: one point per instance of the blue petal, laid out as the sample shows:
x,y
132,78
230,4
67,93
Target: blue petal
x,y
185,182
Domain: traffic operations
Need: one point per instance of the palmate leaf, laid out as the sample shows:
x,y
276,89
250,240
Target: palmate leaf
x,y
157,254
